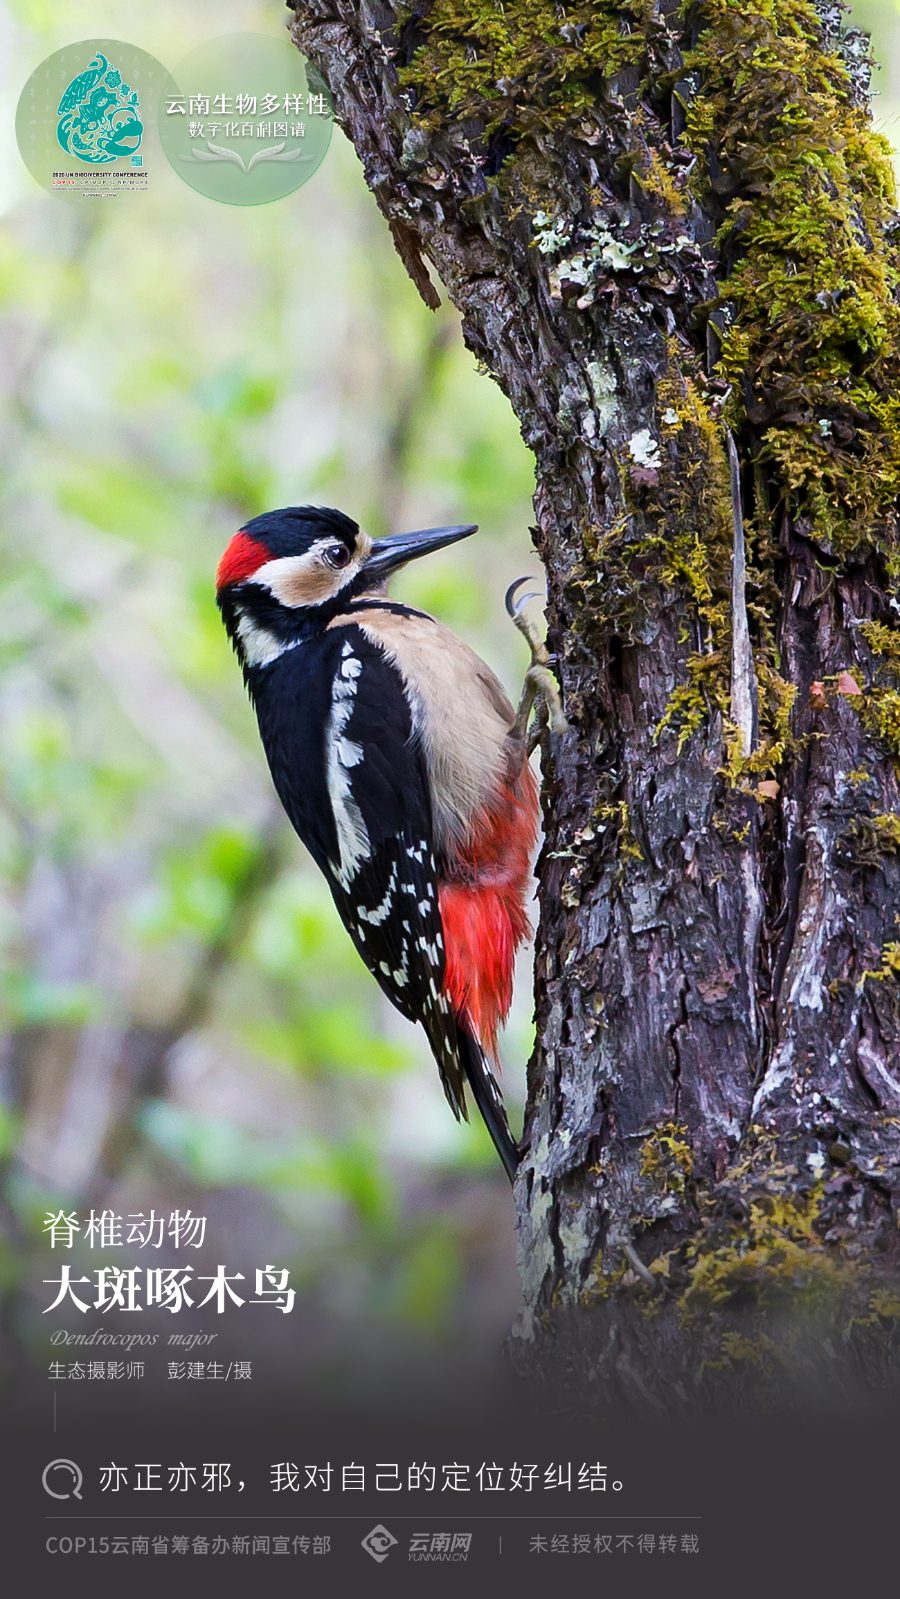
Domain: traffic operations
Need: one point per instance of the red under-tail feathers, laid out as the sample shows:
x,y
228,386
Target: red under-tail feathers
x,y
483,911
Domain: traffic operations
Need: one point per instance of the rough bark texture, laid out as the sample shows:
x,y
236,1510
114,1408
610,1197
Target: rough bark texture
x,y
710,1192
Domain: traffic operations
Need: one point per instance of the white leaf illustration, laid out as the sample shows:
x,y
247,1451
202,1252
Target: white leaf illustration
x,y
218,154
226,155
277,152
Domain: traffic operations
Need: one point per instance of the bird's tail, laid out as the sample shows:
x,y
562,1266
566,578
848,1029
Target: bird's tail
x,y
487,1097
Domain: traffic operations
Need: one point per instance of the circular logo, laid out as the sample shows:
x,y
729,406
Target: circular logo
x,y
66,1477
245,119
86,119
378,1543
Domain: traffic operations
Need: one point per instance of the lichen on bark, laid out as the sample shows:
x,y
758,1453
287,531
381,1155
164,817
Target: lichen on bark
x,y
658,222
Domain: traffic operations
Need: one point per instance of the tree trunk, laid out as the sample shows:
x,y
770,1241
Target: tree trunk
x,y
665,230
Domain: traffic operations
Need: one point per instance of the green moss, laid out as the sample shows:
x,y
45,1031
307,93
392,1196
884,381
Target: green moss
x,y
880,706
870,838
882,641
807,292
888,971
702,566
776,1252
613,818
600,1284
619,815
765,1242
520,63
694,509
738,1350
812,350
657,180
884,1305
811,347
881,713
887,830
667,1159
806,311
733,1253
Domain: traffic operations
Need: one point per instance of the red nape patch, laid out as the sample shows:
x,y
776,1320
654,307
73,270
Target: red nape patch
x,y
243,557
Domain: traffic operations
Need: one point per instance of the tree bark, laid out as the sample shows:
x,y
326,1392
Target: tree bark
x,y
664,228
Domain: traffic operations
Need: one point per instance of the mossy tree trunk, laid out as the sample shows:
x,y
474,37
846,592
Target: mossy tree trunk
x,y
667,228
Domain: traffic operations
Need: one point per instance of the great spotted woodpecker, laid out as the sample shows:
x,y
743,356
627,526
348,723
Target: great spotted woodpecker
x,y
402,766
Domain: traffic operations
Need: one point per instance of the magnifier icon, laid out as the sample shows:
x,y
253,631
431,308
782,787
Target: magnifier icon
x,y
68,1466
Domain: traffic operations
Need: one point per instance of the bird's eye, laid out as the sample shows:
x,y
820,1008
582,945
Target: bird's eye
x,y
337,555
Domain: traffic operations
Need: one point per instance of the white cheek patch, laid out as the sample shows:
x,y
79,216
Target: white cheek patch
x,y
299,580
260,647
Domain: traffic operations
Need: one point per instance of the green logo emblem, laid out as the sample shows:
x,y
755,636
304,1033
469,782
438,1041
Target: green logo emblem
x,y
84,114
98,115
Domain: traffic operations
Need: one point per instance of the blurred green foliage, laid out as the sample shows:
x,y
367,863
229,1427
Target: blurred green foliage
x,y
194,891
175,367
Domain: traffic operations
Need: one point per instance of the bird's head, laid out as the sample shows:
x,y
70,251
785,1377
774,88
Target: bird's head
x,y
292,569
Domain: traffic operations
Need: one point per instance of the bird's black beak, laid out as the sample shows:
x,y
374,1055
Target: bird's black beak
x,y
387,554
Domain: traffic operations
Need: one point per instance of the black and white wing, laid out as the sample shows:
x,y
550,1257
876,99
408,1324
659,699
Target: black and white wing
x,y
358,796
365,814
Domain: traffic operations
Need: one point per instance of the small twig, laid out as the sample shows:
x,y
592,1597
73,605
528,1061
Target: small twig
x,y
743,676
634,1259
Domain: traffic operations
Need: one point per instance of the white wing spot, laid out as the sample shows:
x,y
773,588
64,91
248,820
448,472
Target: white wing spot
x,y
383,910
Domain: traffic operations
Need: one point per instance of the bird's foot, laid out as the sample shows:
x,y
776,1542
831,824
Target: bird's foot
x,y
540,686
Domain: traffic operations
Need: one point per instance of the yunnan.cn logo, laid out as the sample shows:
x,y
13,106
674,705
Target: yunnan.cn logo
x,y
440,1546
378,1543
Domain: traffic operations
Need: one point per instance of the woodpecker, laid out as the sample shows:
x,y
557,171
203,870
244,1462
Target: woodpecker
x,y
404,769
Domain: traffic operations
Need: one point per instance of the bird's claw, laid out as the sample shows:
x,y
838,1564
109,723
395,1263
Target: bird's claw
x,y
514,606
516,610
539,683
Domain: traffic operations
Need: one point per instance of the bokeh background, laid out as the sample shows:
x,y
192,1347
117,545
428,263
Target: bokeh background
x,y
185,1024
